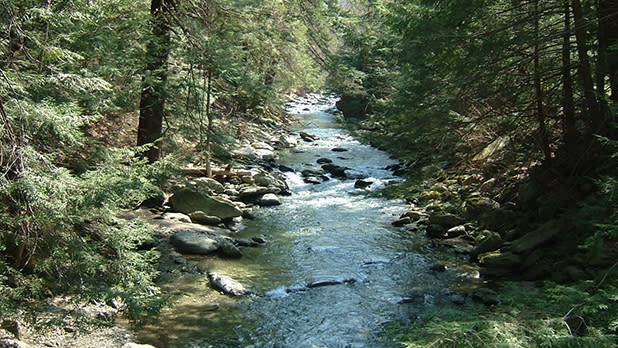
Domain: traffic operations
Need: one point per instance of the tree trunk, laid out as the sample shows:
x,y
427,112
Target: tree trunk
x,y
608,37
538,91
568,104
152,102
593,116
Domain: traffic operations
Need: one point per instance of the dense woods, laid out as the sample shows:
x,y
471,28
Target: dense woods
x,y
516,98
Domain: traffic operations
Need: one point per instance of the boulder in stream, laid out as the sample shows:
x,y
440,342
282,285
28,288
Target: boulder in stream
x,y
189,242
227,285
308,137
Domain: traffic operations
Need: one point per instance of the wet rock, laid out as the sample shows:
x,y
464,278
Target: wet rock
x,y
228,249
180,217
308,137
321,283
335,170
312,172
456,231
362,183
187,201
402,222
189,242
227,285
446,220
435,231
199,217
285,169
413,215
324,160
438,267
312,180
269,200
339,149
247,214
259,240
246,243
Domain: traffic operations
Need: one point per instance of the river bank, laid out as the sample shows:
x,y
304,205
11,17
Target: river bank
x,y
532,239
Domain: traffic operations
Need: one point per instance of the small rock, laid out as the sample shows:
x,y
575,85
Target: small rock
x,y
456,231
135,345
446,220
312,180
285,169
308,137
259,240
339,149
362,183
402,222
413,215
176,217
177,258
228,249
324,160
335,170
269,200
312,172
246,243
438,268
199,217
227,285
436,231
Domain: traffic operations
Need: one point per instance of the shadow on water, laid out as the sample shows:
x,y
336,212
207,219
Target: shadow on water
x,y
328,234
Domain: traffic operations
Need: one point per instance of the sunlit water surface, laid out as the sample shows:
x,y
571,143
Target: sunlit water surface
x,y
324,232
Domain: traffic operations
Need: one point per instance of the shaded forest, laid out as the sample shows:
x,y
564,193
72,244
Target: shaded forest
x,y
503,112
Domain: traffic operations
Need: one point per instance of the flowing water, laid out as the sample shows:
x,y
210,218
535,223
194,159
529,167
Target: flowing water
x,y
330,232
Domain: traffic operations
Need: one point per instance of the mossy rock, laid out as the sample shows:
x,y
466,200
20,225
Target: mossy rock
x,y
538,237
188,200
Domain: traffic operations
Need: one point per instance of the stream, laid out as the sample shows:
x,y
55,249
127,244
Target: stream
x,y
330,234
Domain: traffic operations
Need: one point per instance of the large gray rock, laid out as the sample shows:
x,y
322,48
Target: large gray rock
x,y
188,201
227,285
191,242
